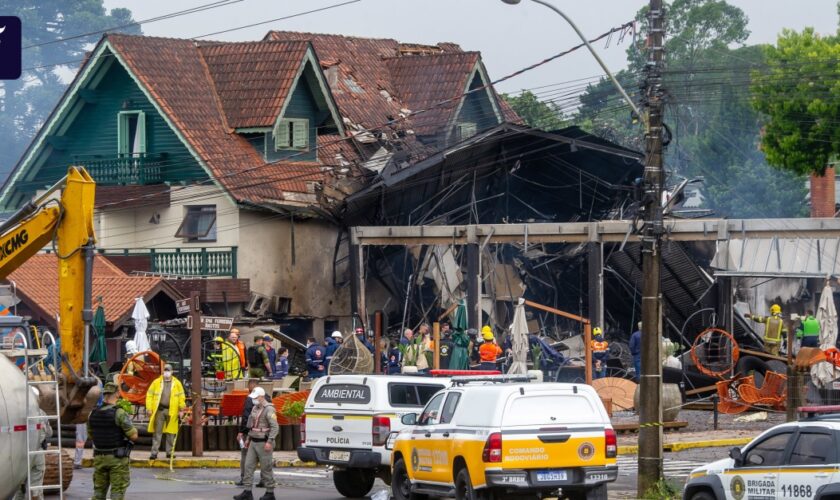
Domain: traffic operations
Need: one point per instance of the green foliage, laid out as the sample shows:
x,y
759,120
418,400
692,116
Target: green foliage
x,y
536,113
536,356
662,490
716,131
411,352
26,102
799,95
293,410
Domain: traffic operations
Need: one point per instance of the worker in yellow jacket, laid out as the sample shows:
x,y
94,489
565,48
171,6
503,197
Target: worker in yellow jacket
x,y
228,359
165,403
775,329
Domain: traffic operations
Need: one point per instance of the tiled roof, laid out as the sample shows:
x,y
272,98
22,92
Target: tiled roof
x,y
36,282
412,77
255,100
131,195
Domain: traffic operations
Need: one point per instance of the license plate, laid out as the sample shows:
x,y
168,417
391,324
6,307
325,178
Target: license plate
x,y
340,456
550,476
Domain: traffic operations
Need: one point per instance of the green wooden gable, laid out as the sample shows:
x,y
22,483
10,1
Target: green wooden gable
x,y
110,127
478,110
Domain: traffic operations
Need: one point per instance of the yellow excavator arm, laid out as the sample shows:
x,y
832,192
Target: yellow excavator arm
x,y
68,222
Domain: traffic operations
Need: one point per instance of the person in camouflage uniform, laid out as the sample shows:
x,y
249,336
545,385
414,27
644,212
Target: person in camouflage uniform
x,y
112,432
262,430
259,365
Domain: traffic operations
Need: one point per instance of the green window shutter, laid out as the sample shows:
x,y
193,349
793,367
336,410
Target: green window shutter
x,y
140,145
300,134
282,139
122,134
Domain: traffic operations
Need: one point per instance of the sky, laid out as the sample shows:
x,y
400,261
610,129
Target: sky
x,y
509,37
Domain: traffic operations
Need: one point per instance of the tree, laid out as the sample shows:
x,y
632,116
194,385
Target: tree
x,y
26,102
798,94
536,113
714,129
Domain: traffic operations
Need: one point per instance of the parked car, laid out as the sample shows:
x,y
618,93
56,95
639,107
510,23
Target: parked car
x,y
795,460
347,421
494,437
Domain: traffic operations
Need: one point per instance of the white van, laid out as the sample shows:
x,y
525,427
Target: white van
x,y
348,419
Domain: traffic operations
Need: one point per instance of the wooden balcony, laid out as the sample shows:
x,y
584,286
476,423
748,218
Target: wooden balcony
x,y
125,169
212,262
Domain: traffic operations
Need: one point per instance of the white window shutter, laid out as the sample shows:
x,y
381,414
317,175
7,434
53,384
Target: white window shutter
x,y
122,134
300,134
281,135
140,138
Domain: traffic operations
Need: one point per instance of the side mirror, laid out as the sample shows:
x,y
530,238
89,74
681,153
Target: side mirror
x,y
736,455
409,419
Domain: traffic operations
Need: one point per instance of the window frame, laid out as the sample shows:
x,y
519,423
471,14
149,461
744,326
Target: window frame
x,y
291,134
197,210
826,433
446,418
790,433
123,139
425,416
415,387
459,130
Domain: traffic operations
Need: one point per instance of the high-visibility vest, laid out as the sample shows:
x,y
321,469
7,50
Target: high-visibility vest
x,y
810,327
773,329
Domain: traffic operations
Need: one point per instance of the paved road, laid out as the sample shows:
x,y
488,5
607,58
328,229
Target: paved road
x,y
306,484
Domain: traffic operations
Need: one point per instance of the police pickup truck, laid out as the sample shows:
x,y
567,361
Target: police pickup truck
x,y
347,421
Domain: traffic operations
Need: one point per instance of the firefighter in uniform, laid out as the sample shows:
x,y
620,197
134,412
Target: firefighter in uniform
x,y
600,353
113,436
774,328
262,430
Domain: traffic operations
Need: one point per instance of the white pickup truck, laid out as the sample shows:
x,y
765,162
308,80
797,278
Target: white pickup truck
x,y
348,419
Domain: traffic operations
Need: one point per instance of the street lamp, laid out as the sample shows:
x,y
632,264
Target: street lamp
x,y
588,46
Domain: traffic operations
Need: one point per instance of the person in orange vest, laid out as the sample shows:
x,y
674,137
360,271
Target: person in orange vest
x,y
489,350
600,353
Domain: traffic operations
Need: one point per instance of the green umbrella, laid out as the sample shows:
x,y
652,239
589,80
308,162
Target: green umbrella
x,y
98,354
460,359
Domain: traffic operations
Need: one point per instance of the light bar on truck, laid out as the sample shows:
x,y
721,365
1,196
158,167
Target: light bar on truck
x,y
499,379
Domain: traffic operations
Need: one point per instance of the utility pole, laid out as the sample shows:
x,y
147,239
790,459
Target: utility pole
x,y
195,372
650,413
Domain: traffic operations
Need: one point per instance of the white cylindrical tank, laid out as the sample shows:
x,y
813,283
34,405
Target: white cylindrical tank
x,y
13,414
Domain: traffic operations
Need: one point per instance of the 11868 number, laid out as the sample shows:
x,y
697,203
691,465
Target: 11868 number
x,y
797,490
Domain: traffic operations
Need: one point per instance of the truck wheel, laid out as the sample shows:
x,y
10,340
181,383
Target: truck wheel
x,y
464,488
702,495
354,483
401,484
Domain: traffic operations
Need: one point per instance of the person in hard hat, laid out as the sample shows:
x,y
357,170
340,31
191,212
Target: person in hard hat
x,y
38,463
774,328
808,332
113,433
166,403
489,351
229,357
331,344
600,353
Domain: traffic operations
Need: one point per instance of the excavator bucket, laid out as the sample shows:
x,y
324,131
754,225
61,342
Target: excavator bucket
x,y
807,357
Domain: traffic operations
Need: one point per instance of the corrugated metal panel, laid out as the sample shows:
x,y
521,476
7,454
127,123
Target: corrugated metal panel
x,y
777,257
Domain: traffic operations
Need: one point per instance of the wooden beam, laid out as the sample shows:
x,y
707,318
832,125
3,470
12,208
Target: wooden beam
x,y
558,312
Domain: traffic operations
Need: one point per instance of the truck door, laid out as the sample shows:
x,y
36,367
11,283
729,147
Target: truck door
x,y
812,463
423,440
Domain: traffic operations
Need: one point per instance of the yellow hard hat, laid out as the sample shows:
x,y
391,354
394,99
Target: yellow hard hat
x,y
486,329
219,340
597,331
775,309
488,335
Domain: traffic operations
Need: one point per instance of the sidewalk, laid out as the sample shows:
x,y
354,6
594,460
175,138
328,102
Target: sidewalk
x,y
676,441
210,460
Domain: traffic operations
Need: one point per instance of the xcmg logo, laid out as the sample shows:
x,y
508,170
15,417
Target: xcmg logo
x,y
10,48
13,244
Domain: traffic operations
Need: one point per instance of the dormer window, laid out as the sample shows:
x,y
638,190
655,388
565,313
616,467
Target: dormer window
x,y
291,133
465,130
131,133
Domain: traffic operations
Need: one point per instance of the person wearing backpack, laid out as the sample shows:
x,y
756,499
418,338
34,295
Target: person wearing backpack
x,y
259,365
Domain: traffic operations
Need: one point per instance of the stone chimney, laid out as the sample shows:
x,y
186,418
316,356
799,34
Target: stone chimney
x,y
822,193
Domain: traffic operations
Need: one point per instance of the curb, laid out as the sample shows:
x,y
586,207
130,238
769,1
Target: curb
x,y
202,463
712,443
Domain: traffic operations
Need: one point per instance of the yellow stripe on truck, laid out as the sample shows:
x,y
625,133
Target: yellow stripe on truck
x,y
534,454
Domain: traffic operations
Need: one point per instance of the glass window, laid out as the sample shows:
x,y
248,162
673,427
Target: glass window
x,y
199,223
131,133
812,449
411,394
769,452
449,407
431,414
425,392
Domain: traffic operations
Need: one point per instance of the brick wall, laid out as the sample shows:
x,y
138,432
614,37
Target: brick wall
x,y
822,194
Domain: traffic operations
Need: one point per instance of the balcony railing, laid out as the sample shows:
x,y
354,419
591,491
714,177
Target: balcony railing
x,y
182,262
126,169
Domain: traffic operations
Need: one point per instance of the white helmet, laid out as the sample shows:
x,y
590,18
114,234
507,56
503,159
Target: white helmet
x,y
131,347
337,335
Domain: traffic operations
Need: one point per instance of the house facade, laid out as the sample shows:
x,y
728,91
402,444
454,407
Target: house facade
x,y
224,166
